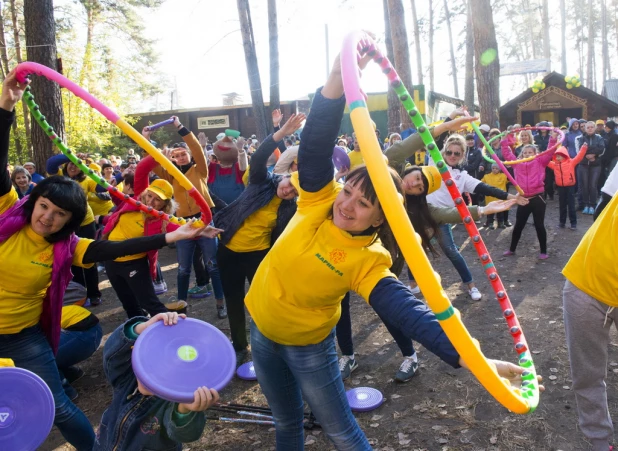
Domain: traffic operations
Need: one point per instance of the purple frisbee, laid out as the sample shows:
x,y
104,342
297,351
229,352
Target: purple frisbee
x,y
246,371
26,409
173,361
340,158
364,399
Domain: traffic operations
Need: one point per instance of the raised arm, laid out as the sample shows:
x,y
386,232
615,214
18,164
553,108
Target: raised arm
x,y
194,145
12,91
507,151
54,162
140,180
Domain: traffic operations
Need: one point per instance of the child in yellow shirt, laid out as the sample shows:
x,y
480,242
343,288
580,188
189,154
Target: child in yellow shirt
x,y
497,179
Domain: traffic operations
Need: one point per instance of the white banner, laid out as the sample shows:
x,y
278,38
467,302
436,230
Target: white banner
x,y
213,122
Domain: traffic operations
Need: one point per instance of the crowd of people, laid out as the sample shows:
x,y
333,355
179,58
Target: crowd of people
x,y
280,204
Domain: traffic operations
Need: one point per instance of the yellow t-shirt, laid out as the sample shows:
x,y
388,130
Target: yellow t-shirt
x,y
592,267
99,207
26,261
254,233
130,225
73,314
295,296
497,181
419,157
356,159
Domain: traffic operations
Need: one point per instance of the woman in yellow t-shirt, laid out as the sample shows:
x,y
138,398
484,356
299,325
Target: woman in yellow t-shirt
x,y
252,223
61,165
37,234
590,310
330,246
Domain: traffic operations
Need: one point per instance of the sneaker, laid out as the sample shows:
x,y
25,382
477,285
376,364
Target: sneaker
x,y
221,311
415,290
160,287
543,256
347,364
508,253
508,223
475,294
488,225
573,226
100,268
588,211
407,370
73,374
199,292
241,356
95,301
562,226
501,226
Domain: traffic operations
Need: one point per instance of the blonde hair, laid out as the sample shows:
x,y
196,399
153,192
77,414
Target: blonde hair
x,y
526,132
457,140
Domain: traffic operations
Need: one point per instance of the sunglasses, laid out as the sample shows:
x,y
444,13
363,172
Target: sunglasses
x,y
181,144
450,152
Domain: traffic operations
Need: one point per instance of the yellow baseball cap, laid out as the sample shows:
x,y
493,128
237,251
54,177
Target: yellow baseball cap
x,y
161,188
600,122
433,178
94,167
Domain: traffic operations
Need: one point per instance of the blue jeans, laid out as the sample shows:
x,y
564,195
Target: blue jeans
x,y
588,177
30,350
185,250
287,373
77,346
447,244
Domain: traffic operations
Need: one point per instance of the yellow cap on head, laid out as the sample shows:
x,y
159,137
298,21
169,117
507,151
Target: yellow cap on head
x,y
433,178
161,188
94,167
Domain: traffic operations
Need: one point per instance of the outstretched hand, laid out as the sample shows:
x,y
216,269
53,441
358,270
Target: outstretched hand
x,y
146,132
12,91
277,117
513,373
168,318
293,123
498,206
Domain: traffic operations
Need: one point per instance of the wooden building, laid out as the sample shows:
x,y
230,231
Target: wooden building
x,y
214,120
555,103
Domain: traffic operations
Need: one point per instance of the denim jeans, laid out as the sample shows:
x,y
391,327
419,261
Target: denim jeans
x,y
566,202
287,374
77,346
447,244
588,177
30,350
185,250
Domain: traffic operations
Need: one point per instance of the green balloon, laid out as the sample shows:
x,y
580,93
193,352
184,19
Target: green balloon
x,y
488,56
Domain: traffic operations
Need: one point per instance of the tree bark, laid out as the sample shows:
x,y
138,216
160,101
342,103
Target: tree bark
x,y
487,75
563,54
401,52
18,55
545,27
394,105
273,39
431,60
41,45
255,85
469,86
417,44
447,16
590,61
5,70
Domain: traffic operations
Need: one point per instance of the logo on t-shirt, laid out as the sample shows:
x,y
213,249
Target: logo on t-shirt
x,y
337,256
329,264
150,426
43,259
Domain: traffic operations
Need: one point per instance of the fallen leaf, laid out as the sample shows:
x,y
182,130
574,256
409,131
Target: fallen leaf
x,y
395,396
553,370
443,441
552,322
310,440
376,344
376,417
374,425
493,440
441,406
566,387
443,412
553,378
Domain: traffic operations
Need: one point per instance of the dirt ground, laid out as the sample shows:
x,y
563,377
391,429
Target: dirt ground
x,y
441,408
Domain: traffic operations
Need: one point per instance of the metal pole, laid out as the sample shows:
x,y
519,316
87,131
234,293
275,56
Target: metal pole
x,y
327,51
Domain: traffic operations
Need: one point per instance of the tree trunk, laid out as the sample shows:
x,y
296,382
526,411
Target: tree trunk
x,y
431,61
563,53
447,16
487,75
417,44
394,105
545,27
273,39
401,52
5,70
41,45
469,86
590,62
255,85
18,55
